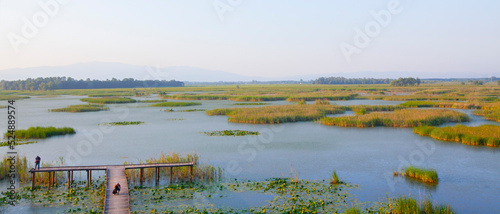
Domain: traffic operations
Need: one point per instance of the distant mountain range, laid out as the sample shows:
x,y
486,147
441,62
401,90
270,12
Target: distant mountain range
x,y
109,70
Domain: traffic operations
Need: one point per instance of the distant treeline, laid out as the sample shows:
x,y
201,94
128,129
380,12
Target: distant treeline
x,y
51,83
410,81
343,80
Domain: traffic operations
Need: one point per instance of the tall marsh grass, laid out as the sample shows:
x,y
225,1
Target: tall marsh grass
x,y
409,205
22,168
418,104
109,100
40,132
81,108
200,172
399,118
485,135
278,113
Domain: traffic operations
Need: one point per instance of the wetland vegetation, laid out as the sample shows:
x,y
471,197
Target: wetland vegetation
x,y
422,174
40,132
200,172
81,108
124,123
109,100
278,113
231,133
399,118
485,135
175,104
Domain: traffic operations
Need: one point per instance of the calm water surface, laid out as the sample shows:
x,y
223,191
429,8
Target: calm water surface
x,y
468,175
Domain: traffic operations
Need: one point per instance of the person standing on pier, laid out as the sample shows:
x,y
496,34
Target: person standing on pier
x,y
37,162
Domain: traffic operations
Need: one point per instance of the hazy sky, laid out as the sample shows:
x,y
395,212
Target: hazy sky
x,y
257,37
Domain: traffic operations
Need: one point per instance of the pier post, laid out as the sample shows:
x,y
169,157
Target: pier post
x,y
171,173
32,180
141,175
88,178
50,176
157,175
191,170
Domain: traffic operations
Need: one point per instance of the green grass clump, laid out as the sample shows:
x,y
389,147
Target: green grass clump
x,y
278,113
231,133
485,135
220,111
399,118
335,178
109,100
408,205
40,132
81,108
125,123
175,104
425,175
249,104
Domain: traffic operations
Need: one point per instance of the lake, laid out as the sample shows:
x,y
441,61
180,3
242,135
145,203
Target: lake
x,y
366,157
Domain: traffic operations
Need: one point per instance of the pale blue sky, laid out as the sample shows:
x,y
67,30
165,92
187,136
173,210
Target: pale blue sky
x,y
259,37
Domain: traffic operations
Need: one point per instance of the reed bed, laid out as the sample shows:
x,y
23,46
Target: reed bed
x,y
249,104
320,96
201,172
13,97
399,118
231,133
40,132
109,100
485,135
493,115
422,174
409,205
415,98
371,108
277,114
247,98
22,168
81,108
418,104
175,104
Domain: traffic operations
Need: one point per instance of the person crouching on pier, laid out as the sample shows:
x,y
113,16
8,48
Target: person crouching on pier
x,y
116,191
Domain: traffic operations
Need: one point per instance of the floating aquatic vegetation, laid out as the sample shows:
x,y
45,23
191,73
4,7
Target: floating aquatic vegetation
x,y
231,133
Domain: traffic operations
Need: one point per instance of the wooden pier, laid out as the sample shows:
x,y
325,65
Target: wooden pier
x,y
114,173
